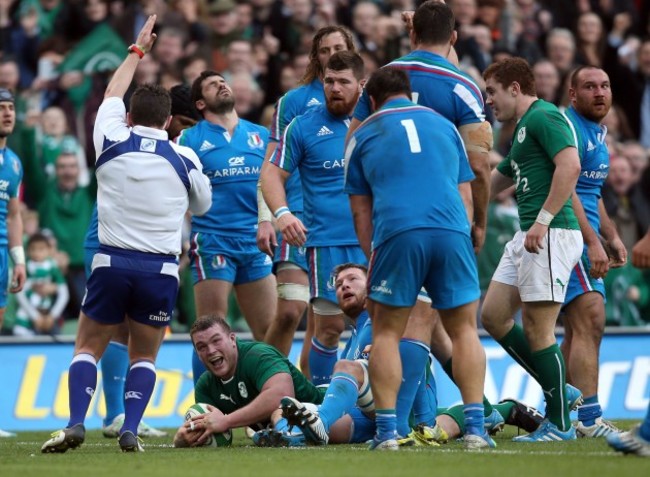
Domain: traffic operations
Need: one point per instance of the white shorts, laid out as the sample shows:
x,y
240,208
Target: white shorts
x,y
543,276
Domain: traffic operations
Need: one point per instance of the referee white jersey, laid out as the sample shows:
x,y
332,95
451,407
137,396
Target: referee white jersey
x,y
146,184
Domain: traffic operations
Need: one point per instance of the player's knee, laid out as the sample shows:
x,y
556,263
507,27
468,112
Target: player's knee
x,y
353,368
488,320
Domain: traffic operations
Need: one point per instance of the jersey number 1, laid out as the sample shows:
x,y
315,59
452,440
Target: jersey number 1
x,y
412,135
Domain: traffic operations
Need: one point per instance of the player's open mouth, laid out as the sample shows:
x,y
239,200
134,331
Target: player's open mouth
x,y
348,295
216,360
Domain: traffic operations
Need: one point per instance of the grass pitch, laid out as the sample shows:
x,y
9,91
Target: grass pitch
x,y
99,457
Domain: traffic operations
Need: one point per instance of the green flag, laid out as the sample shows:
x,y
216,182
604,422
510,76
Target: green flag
x,y
101,50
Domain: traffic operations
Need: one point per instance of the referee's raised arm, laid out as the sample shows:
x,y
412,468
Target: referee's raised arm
x,y
123,76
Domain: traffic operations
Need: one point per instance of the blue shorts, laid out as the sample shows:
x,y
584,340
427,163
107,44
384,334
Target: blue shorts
x,y
138,284
581,282
321,262
4,275
234,260
442,261
288,253
363,427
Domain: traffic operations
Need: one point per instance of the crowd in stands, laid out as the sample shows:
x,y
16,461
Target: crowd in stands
x,y
57,57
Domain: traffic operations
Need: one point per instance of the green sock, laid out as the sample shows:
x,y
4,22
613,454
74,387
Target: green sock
x,y
516,345
487,405
552,377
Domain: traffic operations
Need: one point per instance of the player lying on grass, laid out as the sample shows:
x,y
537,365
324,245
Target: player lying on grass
x,y
346,415
244,382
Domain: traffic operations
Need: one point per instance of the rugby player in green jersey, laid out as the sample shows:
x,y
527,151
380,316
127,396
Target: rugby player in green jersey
x,y
544,166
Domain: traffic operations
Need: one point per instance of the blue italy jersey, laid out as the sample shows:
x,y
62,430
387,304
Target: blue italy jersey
x,y
91,242
411,153
233,164
313,144
594,162
439,85
11,175
361,338
293,104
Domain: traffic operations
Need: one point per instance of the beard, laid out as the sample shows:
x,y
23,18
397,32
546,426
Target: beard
x,y
340,108
221,105
594,113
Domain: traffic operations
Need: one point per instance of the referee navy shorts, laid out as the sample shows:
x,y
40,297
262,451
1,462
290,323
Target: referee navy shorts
x,y
138,284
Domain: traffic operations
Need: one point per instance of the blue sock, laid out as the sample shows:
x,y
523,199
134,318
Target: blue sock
x,y
137,391
590,410
644,430
341,396
282,425
474,419
197,367
414,355
114,365
386,421
321,362
82,382
425,406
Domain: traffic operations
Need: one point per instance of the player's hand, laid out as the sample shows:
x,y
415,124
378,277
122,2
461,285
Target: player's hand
x,y
293,230
618,256
186,437
478,238
598,259
641,252
147,37
18,279
266,239
210,423
534,241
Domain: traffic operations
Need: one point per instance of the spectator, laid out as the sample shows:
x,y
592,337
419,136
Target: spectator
x,y
191,68
222,22
45,294
547,81
561,50
64,207
630,83
638,157
47,140
169,47
248,97
591,40
618,198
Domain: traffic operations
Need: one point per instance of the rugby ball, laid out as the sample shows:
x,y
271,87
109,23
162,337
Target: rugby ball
x,y
218,439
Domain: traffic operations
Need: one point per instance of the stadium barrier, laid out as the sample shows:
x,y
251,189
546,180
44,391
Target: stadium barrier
x,y
33,380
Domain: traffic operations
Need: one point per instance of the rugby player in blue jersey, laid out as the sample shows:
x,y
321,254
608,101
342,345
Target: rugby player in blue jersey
x,y
11,224
584,306
290,264
438,83
223,248
313,145
407,175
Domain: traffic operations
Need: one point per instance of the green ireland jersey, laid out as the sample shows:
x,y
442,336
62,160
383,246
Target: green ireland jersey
x,y
256,364
540,134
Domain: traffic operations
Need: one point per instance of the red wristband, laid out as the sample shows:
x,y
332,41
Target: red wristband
x,y
136,49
